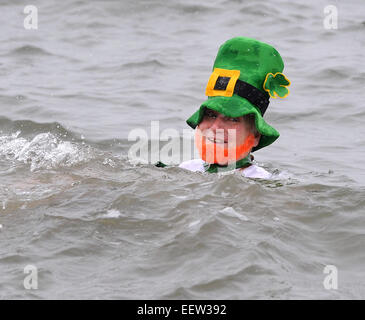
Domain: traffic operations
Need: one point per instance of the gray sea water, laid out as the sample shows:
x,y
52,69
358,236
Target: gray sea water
x,y
96,225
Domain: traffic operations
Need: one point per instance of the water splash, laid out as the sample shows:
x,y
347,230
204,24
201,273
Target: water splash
x,y
44,151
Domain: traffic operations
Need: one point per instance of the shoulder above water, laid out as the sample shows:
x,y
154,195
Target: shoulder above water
x,y
253,171
195,165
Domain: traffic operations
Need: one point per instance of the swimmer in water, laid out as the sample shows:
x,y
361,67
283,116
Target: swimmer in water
x,y
229,125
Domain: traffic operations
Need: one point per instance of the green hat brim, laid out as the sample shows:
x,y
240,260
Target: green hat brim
x,y
234,107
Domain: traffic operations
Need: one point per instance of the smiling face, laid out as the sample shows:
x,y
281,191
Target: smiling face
x,y
215,127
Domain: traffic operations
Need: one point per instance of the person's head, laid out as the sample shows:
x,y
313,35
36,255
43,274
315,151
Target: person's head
x,y
236,134
216,126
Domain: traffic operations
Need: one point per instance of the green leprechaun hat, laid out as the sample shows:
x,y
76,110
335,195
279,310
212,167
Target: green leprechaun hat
x,y
246,73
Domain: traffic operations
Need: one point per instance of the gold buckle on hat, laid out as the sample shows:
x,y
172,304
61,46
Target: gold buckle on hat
x,y
217,72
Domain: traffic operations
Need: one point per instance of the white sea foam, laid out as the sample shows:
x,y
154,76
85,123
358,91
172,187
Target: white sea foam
x,y
112,213
194,223
229,211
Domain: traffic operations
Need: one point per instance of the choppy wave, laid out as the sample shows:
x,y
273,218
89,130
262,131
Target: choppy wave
x,y
160,224
30,50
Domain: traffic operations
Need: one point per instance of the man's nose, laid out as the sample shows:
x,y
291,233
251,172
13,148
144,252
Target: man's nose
x,y
217,124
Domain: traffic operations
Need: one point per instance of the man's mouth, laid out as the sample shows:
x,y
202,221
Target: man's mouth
x,y
216,140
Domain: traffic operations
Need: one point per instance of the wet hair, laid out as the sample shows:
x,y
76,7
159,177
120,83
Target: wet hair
x,y
249,119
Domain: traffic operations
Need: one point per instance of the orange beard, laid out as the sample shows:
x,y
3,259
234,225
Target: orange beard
x,y
212,152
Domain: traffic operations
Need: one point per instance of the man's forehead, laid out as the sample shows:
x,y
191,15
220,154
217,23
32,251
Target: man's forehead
x,y
213,111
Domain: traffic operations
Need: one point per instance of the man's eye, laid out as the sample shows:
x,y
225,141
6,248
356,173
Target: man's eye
x,y
211,115
233,119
